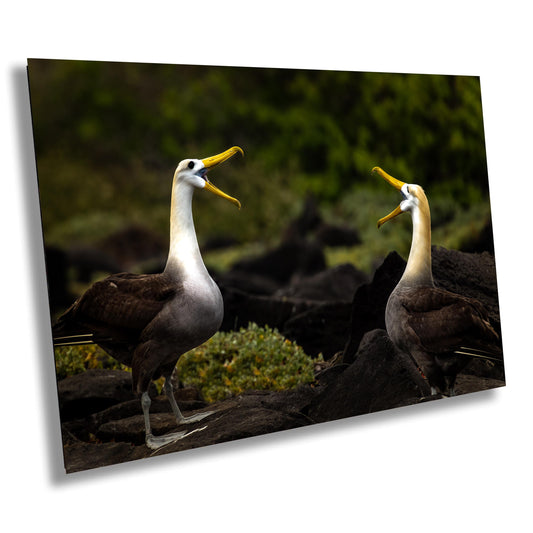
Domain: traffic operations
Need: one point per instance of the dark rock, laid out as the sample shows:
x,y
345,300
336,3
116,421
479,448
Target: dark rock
x,y
133,245
331,235
380,378
473,275
245,416
309,225
334,284
486,368
330,374
308,220
483,242
289,401
93,391
323,328
86,261
241,308
369,302
467,383
247,282
244,422
316,326
84,456
291,258
314,312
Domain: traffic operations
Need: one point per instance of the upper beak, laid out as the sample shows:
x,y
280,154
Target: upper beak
x,y
213,161
397,184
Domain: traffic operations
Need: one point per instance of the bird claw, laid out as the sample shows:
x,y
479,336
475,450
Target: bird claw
x,y
154,443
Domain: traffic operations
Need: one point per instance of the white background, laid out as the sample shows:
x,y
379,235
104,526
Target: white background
x,y
462,464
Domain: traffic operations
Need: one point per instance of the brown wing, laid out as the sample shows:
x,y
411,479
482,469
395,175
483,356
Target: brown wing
x,y
444,321
119,306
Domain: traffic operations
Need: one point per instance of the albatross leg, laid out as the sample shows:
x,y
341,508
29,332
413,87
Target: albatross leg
x,y
180,418
156,442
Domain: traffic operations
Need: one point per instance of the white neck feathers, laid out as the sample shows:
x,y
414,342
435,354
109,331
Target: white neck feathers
x,y
418,269
184,253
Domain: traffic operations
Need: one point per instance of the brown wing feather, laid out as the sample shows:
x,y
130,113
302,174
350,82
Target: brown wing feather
x,y
121,305
444,321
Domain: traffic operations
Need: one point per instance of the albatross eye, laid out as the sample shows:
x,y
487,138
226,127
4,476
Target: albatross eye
x,y
191,164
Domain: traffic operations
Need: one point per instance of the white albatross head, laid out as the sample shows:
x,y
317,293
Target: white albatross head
x,y
194,172
414,197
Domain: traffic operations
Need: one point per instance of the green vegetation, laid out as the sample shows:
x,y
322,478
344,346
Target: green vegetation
x,y
71,360
109,135
254,358
453,227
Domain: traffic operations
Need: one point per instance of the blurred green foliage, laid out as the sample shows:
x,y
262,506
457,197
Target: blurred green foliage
x,y
108,137
453,224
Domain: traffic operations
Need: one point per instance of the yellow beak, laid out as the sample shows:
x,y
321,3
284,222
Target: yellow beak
x,y
395,213
397,184
213,161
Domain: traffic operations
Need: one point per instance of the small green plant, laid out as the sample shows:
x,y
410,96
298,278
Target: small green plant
x,y
254,358
71,360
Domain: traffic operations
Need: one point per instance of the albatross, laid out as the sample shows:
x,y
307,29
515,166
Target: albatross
x,y
148,321
441,330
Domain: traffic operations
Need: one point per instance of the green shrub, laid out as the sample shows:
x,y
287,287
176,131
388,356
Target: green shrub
x,y
254,358
71,360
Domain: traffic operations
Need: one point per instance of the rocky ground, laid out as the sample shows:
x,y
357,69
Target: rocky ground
x,y
338,312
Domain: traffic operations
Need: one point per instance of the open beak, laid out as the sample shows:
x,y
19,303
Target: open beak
x,y
397,184
213,161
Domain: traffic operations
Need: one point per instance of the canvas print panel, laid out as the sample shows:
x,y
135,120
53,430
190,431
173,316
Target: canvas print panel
x,y
199,296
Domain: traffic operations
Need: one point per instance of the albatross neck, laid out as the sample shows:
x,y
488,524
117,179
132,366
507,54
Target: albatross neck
x,y
418,270
184,256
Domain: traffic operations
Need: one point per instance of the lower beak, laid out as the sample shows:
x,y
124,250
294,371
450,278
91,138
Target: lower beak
x,y
395,213
215,190
397,184
213,161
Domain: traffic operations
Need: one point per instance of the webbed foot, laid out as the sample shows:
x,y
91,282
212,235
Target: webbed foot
x,y
154,443
193,418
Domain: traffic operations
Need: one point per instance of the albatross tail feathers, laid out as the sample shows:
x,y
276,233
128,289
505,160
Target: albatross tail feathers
x,y
78,339
492,355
